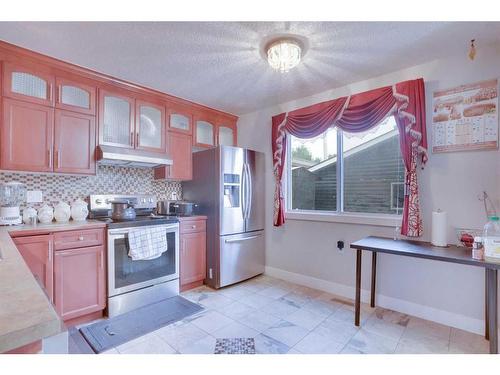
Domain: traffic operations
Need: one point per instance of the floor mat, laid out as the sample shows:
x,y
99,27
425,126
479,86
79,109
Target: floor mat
x,y
118,330
235,346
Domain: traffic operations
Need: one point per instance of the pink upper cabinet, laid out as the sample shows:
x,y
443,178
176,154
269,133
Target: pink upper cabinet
x,y
75,96
74,143
28,83
26,136
150,128
116,119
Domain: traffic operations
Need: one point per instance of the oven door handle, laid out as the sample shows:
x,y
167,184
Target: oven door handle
x,y
118,233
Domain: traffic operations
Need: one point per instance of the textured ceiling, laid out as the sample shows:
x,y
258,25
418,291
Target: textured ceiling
x,y
220,64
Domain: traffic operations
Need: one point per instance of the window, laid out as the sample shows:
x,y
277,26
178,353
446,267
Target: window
x,y
347,172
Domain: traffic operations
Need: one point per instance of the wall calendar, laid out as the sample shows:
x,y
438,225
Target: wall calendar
x,y
465,117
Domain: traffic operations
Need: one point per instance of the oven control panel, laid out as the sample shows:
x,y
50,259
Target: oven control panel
x,y
101,202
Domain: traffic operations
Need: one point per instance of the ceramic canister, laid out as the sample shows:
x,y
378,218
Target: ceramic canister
x,y
79,210
62,212
45,214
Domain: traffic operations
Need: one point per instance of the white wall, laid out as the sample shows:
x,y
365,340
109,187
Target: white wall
x,y
305,251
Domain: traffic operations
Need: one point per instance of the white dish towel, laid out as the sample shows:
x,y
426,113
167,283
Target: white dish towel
x,y
147,243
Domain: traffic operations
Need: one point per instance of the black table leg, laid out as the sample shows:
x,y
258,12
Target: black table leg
x,y
492,279
374,278
357,303
486,307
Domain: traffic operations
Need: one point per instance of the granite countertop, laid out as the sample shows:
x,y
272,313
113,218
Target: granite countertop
x,y
26,314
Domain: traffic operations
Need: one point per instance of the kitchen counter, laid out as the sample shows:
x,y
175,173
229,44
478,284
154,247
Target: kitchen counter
x,y
26,314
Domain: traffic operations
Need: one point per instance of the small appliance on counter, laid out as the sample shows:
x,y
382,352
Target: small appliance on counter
x,y
12,194
176,208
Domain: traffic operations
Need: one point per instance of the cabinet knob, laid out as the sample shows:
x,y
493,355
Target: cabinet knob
x,y
193,226
80,238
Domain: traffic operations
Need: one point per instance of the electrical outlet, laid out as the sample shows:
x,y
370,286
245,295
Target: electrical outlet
x,y
340,246
34,196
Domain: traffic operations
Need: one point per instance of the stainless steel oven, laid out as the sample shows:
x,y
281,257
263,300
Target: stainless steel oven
x,y
135,283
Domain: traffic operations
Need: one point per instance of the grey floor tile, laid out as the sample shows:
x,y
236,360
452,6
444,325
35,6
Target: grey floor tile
x,y
273,292
256,301
259,320
152,345
204,346
280,308
237,310
384,327
212,321
467,342
235,330
286,332
268,345
371,343
336,330
180,336
306,319
422,345
315,343
418,328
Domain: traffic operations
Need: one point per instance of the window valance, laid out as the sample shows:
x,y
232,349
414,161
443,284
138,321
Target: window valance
x,y
358,113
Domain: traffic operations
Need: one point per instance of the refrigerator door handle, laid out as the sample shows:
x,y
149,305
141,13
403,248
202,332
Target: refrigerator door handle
x,y
249,191
243,239
244,192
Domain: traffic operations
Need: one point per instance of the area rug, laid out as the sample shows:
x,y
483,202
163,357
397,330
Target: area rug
x,y
108,333
235,346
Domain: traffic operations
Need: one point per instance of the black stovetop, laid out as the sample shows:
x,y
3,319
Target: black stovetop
x,y
139,221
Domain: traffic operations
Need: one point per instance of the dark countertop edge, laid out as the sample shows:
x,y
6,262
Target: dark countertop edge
x,y
424,255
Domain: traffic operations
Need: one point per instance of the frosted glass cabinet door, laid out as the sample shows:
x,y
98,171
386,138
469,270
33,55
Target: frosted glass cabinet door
x,y
150,127
116,120
75,96
204,133
180,122
28,85
226,136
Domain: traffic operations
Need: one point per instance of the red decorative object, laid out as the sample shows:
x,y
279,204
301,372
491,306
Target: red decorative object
x,y
358,113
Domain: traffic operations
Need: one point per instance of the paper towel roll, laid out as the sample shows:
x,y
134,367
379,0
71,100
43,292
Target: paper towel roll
x,y
439,228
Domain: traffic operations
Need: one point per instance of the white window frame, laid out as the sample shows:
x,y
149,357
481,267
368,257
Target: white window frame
x,y
338,216
393,184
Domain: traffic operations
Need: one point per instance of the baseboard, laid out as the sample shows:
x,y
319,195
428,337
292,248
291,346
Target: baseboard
x,y
425,312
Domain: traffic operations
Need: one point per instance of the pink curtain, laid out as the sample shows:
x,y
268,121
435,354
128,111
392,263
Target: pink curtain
x,y
413,142
358,113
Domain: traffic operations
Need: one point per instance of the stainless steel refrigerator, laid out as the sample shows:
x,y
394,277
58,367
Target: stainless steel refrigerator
x,y
228,184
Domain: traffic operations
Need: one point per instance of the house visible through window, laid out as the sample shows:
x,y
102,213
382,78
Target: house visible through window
x,y
368,166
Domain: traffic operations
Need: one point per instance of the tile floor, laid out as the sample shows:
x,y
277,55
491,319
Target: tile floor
x,y
289,318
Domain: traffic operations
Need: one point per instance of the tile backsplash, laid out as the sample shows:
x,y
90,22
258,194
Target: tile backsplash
x,y
108,180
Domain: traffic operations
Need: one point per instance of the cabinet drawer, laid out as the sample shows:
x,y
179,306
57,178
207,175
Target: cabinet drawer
x,y
78,238
192,226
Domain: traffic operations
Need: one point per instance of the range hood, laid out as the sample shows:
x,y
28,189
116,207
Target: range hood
x,y
118,156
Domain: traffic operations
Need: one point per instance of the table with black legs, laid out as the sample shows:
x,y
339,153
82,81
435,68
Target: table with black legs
x,y
424,250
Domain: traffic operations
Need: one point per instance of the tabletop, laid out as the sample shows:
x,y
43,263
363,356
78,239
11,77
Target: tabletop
x,y
420,249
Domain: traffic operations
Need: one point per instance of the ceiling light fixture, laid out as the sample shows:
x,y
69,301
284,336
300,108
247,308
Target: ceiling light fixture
x,y
284,54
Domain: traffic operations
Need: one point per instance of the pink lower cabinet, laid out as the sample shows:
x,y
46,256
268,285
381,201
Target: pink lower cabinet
x,y
37,252
79,285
